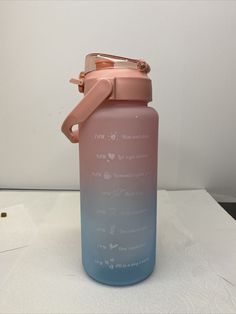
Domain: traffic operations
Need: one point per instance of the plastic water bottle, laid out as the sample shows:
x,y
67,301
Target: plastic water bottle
x,y
117,135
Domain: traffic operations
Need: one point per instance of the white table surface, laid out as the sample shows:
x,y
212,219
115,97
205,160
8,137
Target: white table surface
x,y
42,273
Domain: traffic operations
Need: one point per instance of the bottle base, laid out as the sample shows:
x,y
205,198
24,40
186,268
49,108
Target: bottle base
x,y
123,283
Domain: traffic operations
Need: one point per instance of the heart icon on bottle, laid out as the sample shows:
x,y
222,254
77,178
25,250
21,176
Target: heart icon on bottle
x,y
111,156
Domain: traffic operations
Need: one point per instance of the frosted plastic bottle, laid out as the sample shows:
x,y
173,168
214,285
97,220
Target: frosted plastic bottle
x,y
118,168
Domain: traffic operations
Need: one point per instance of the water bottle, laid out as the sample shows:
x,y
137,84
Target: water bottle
x,y
117,134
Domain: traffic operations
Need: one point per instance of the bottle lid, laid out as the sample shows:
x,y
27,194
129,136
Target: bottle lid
x,y
126,79
101,61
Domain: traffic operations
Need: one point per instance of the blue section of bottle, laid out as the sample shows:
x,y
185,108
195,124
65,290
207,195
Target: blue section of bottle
x,y
118,249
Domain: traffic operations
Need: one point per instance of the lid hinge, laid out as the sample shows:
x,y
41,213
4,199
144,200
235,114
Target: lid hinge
x,y
79,81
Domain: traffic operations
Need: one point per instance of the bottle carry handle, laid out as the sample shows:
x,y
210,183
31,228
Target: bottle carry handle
x,y
94,98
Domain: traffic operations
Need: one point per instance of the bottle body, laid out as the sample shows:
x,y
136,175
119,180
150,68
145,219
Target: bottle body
x,y
118,180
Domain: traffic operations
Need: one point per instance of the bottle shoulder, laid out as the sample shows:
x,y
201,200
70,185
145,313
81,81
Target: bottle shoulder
x,y
115,112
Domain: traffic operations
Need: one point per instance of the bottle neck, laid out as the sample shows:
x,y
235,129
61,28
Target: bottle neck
x,y
123,103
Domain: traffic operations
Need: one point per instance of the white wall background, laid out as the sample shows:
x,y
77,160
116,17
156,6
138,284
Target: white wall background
x,y
191,46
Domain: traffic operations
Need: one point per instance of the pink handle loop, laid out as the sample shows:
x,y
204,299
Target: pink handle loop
x,y
94,98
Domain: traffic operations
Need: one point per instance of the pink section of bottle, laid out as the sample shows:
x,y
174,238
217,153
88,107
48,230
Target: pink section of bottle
x,y
123,128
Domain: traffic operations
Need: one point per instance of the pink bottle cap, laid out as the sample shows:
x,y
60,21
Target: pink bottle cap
x,y
99,61
107,77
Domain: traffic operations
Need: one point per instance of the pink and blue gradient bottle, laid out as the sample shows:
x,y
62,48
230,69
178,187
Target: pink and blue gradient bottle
x,y
118,135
